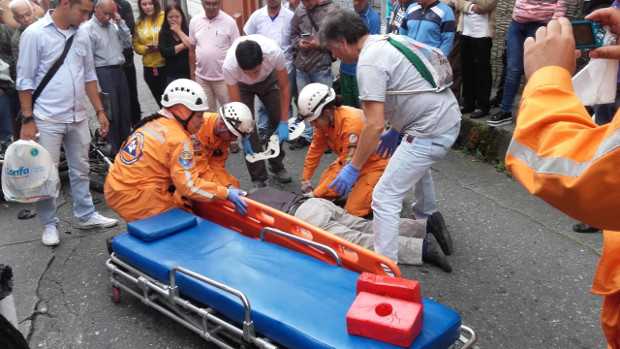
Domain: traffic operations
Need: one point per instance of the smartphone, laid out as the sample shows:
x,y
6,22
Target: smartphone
x,y
588,34
306,35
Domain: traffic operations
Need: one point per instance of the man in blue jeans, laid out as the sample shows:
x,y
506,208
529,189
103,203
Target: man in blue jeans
x,y
312,61
527,17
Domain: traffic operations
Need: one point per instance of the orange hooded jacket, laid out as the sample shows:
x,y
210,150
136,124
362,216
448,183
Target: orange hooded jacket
x,y
212,153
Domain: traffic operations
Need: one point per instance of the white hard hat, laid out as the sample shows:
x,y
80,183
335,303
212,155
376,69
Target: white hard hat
x,y
312,98
237,118
186,92
29,173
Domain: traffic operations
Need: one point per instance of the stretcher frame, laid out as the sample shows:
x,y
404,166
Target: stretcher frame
x,y
205,321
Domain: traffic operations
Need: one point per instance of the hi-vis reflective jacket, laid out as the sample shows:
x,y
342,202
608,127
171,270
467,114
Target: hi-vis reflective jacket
x,y
155,157
342,138
560,155
212,153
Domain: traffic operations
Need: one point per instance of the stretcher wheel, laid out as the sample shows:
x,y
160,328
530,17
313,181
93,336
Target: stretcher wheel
x,y
116,295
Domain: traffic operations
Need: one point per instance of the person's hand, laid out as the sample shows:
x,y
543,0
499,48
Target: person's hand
x,y
28,131
345,180
607,17
309,43
306,187
388,143
152,48
175,27
554,45
235,196
282,131
247,146
104,123
475,8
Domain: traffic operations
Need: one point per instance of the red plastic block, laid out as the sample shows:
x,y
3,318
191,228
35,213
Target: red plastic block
x,y
386,319
389,286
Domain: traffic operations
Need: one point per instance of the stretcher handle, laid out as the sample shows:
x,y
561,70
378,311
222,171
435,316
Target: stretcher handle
x,y
248,325
469,340
314,244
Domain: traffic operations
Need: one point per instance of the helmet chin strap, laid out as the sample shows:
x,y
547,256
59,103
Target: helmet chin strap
x,y
169,112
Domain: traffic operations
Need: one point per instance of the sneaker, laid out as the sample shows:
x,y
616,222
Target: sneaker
x,y
50,235
500,118
234,147
431,254
479,114
436,226
259,184
97,221
282,176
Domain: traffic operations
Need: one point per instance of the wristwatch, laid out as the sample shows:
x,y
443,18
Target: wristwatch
x,y
25,119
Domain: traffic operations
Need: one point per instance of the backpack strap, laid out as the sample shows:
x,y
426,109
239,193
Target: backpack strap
x,y
414,59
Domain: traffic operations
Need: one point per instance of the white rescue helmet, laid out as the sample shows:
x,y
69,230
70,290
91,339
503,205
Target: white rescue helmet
x,y
312,98
237,118
186,92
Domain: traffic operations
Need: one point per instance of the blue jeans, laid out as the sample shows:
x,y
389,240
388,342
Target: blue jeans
x,y
605,112
410,165
6,114
75,139
303,79
517,33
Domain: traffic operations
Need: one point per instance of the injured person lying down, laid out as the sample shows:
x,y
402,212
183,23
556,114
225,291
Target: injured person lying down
x,y
419,240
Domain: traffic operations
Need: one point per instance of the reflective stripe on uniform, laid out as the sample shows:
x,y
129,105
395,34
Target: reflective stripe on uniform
x,y
189,181
560,165
153,133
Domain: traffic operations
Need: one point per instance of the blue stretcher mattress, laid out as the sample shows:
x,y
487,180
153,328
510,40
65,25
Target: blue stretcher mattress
x,y
297,301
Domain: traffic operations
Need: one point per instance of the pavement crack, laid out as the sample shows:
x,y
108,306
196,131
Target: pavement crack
x,y
36,312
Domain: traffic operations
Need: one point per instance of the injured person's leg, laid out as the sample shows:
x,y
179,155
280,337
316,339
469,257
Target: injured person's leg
x,y
414,244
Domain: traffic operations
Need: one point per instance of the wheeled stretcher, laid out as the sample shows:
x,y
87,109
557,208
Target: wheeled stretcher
x,y
266,280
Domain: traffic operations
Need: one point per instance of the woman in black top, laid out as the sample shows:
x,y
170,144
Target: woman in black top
x,y
174,43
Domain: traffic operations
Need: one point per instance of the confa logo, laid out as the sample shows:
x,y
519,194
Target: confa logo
x,y
18,172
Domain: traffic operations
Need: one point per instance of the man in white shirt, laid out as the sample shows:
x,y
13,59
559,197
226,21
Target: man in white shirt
x,y
255,67
273,21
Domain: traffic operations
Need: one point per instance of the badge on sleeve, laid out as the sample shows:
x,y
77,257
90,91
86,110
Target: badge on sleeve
x,y
186,159
132,150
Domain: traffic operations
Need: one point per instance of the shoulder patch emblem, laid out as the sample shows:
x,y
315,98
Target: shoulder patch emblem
x,y
132,151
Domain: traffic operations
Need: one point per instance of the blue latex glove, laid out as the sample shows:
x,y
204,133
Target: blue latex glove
x,y
282,131
247,146
234,196
388,144
345,180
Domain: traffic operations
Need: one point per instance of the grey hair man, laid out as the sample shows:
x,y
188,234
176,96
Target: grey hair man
x,y
109,36
392,89
24,14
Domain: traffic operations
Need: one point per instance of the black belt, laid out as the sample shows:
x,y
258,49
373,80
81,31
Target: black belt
x,y
116,66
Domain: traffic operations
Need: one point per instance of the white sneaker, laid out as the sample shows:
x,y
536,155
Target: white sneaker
x,y
97,221
50,235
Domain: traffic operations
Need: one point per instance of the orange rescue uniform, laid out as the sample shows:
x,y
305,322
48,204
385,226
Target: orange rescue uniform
x,y
211,153
342,137
156,157
560,155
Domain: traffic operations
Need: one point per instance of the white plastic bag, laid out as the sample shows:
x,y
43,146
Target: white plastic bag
x,y
597,82
28,173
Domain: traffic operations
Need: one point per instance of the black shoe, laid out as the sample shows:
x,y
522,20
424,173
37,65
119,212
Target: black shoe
x,y
431,254
467,110
585,228
500,118
282,176
479,114
436,226
299,143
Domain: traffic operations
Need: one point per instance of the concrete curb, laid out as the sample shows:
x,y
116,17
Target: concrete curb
x,y
483,141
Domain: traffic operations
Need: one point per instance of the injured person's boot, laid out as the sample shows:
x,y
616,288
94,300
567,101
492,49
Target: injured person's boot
x,y
436,226
432,254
